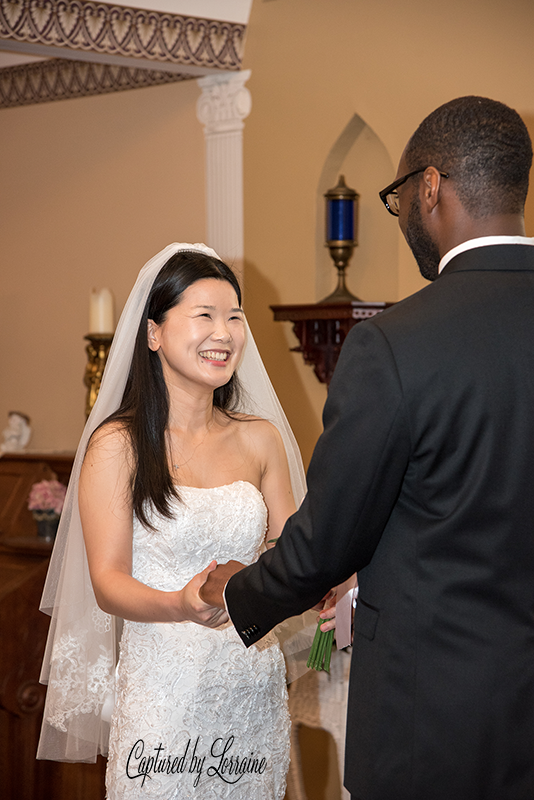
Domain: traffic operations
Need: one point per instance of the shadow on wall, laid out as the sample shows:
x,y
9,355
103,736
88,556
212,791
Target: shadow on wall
x,y
281,364
362,158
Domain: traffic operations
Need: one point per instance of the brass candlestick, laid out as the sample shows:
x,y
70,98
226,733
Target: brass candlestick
x,y
97,354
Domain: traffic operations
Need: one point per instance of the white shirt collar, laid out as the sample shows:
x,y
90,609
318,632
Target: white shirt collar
x,y
482,241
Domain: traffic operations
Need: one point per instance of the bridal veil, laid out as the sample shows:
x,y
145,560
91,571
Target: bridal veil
x,y
81,652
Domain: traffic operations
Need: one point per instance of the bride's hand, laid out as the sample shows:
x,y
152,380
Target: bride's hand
x,y
328,613
213,589
194,608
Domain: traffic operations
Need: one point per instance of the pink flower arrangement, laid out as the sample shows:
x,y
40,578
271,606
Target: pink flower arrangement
x,y
47,496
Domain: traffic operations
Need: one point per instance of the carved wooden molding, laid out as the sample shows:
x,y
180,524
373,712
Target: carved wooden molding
x,y
105,29
60,79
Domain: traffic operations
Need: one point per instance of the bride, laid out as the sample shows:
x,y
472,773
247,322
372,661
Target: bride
x,y
178,468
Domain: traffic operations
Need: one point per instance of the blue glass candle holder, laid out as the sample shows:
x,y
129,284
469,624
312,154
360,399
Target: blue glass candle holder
x,y
341,239
340,220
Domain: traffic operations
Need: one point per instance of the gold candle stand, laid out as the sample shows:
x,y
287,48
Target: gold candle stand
x,y
97,354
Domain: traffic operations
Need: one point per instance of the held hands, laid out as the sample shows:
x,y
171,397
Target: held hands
x,y
211,591
195,609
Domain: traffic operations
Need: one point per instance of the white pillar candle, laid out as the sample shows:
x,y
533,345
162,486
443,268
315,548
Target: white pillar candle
x,y
101,316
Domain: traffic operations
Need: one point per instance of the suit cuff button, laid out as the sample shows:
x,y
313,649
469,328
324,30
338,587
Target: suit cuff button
x,y
250,631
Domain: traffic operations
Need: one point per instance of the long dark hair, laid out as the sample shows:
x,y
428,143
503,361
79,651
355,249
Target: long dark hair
x,y
144,410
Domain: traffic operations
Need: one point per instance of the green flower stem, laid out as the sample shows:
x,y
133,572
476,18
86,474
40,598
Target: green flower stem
x,y
321,649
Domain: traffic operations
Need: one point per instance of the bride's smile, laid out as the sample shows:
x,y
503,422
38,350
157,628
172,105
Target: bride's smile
x,y
200,340
217,356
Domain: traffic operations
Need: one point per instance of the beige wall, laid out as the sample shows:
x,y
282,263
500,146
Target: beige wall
x,y
314,65
89,189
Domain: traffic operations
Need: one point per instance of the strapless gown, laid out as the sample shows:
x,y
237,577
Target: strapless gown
x,y
198,715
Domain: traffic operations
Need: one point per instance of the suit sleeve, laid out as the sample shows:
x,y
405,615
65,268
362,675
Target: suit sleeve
x,y
353,480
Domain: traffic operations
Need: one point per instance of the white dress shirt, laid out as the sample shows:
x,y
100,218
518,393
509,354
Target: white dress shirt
x,y
482,241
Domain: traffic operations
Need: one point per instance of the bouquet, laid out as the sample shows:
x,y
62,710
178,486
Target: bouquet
x,y
321,649
47,496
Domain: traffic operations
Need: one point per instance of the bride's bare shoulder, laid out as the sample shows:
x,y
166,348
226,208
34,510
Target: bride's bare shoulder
x,y
260,430
256,422
106,473
110,442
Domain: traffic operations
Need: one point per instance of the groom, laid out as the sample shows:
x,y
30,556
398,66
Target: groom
x,y
423,483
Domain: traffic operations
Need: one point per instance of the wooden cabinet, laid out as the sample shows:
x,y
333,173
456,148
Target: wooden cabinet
x,y
23,630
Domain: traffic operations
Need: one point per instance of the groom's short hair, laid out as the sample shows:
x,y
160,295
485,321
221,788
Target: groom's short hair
x,y
484,146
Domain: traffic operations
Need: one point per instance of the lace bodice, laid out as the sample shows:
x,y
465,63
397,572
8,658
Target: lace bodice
x,y
167,562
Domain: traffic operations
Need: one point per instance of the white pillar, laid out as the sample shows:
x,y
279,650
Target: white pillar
x,y
221,108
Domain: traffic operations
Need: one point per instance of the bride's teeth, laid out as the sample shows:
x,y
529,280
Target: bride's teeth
x,y
214,356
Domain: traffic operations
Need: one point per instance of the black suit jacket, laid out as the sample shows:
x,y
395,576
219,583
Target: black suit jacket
x,y
423,482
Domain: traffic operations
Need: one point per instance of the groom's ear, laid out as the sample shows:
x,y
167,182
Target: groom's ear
x,y
153,335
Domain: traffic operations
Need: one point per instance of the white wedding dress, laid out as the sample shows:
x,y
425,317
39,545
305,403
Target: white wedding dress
x,y
198,715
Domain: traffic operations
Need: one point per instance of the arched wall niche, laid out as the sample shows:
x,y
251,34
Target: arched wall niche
x,y
362,158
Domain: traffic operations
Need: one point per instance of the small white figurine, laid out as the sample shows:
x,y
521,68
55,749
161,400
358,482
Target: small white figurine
x,y
17,434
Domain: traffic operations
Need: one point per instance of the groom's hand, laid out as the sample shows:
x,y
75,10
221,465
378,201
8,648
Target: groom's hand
x,y
212,590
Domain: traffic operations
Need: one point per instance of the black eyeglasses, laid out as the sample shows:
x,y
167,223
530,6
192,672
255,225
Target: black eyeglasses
x,y
389,195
